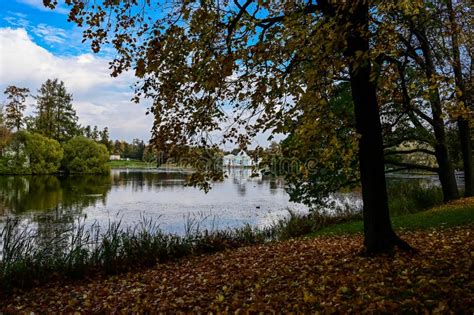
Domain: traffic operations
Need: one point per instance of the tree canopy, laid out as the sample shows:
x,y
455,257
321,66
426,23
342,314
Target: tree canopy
x,y
55,116
15,106
244,67
82,155
31,153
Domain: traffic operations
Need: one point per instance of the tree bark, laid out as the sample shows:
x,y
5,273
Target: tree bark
x,y
446,171
463,123
379,236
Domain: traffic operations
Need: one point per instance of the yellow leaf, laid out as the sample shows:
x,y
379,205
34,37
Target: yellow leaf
x,y
344,290
220,298
308,297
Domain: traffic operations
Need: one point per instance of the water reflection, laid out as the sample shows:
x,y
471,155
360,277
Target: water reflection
x,y
21,194
60,200
137,180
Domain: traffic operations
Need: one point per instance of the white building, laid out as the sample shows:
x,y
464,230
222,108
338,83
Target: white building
x,y
242,159
228,160
114,158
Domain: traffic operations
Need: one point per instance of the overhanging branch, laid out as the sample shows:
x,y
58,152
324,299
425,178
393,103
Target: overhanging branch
x,y
412,166
420,150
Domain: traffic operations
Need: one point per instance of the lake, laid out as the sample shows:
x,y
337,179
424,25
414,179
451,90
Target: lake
x,y
128,195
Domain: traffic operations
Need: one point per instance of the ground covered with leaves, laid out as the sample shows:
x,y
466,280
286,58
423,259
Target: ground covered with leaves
x,y
316,274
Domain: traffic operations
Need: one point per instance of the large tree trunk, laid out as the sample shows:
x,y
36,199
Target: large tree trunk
x,y
463,123
446,171
378,232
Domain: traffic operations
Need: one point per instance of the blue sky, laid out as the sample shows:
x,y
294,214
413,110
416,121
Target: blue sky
x,y
37,43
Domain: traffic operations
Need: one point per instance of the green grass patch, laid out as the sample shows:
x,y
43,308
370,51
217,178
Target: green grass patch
x,y
410,196
444,216
131,164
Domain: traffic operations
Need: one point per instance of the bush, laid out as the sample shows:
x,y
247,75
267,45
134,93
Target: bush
x,y
31,153
409,196
44,154
82,155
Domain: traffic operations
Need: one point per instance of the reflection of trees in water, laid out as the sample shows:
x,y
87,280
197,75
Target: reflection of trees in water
x,y
23,193
138,180
52,203
82,191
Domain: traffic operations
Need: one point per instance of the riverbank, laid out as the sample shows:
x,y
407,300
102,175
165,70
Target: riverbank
x,y
322,273
138,165
135,164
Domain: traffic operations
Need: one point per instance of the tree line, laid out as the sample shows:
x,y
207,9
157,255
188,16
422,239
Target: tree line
x,y
54,117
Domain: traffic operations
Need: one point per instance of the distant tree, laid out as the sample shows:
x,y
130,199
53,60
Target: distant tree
x,y
127,149
56,117
5,133
87,132
138,148
95,134
149,154
5,137
118,147
105,140
104,135
2,114
30,123
15,106
82,155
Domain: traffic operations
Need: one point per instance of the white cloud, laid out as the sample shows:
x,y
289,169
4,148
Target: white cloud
x,y
17,19
50,34
38,4
99,99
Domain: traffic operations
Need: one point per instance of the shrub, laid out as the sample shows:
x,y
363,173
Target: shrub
x,y
31,153
409,196
44,154
82,155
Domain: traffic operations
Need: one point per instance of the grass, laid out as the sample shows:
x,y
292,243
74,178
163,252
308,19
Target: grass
x,y
460,212
136,164
131,164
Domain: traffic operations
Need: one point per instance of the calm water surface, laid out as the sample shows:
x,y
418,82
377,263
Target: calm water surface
x,y
127,195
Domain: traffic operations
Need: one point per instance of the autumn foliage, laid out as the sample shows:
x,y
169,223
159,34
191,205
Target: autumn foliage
x,y
323,274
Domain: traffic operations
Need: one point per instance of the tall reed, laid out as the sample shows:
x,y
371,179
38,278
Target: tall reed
x,y
27,259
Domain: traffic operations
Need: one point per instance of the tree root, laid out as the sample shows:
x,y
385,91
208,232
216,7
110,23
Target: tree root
x,y
387,245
